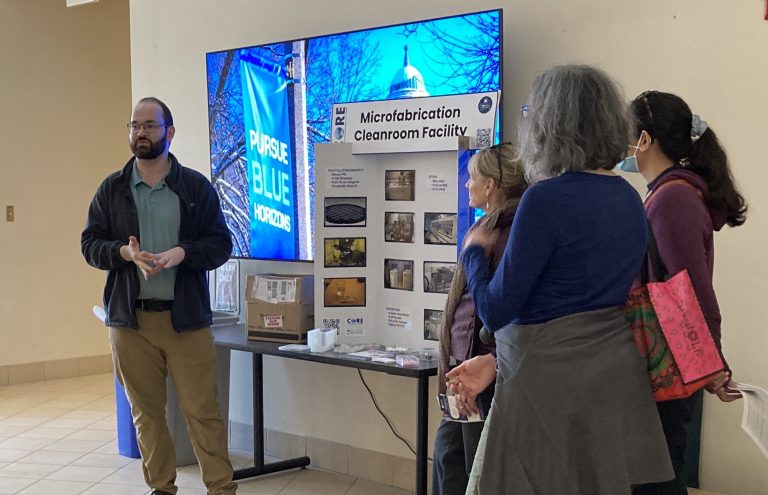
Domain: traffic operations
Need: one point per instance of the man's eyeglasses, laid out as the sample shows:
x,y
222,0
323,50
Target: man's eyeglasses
x,y
135,127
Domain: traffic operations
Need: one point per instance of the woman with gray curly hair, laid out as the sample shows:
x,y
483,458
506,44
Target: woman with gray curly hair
x,y
573,411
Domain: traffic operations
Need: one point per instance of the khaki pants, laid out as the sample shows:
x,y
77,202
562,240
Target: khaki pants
x,y
142,361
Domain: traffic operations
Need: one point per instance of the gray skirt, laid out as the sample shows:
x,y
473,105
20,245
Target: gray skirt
x,y
573,412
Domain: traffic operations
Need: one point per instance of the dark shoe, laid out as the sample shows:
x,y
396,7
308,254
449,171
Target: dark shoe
x,y
159,492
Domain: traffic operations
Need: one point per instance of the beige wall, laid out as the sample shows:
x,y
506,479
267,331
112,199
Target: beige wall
x,y
64,98
710,51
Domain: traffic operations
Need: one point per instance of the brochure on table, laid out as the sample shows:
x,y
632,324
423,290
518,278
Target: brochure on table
x,y
385,233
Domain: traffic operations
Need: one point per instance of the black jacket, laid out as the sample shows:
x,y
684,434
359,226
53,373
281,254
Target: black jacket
x,y
203,235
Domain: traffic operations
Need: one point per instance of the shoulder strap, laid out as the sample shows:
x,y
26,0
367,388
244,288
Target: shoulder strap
x,y
658,269
653,269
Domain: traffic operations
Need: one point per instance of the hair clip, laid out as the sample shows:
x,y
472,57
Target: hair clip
x,y
698,127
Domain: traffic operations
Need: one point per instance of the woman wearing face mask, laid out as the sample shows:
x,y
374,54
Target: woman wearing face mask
x,y
573,411
496,182
691,195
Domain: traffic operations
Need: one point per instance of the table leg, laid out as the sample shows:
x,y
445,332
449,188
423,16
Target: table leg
x,y
258,411
259,468
422,426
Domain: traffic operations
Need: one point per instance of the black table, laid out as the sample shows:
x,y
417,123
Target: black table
x,y
233,337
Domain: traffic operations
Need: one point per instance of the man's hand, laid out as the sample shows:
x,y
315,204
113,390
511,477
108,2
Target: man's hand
x,y
151,264
170,258
142,259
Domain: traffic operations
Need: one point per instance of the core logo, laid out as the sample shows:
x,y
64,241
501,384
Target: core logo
x,y
339,123
355,321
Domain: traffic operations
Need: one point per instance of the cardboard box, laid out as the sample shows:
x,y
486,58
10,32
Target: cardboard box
x,y
280,308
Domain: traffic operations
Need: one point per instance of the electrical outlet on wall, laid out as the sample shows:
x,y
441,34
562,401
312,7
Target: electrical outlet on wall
x,y
10,213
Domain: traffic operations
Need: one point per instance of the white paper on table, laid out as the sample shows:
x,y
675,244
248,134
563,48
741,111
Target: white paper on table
x,y
754,421
371,354
385,360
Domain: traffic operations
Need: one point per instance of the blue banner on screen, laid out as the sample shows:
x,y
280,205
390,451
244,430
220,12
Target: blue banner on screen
x,y
268,151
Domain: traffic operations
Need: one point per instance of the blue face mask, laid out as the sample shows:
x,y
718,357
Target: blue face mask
x,y
629,164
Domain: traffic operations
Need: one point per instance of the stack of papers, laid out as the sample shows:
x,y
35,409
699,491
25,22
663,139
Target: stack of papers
x,y
294,347
755,418
372,354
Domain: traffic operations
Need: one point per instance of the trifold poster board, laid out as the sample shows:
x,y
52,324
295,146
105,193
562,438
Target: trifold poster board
x,y
385,243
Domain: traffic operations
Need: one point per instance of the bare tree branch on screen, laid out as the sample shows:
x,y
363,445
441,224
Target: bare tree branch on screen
x,y
469,59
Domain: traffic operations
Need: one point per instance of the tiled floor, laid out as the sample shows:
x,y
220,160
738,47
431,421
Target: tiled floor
x,y
58,438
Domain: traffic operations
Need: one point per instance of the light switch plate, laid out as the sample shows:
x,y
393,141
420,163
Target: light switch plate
x,y
9,213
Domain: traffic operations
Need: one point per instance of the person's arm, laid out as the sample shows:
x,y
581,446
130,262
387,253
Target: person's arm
x,y
97,243
499,296
213,245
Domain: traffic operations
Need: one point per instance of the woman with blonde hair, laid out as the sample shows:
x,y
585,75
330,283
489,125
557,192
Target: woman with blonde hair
x,y
496,183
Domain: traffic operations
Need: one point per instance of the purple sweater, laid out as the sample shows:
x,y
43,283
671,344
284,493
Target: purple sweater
x,y
684,229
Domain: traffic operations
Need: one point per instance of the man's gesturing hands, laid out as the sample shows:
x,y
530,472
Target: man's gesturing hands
x,y
149,263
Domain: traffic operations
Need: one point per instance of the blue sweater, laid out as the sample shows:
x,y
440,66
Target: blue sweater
x,y
576,244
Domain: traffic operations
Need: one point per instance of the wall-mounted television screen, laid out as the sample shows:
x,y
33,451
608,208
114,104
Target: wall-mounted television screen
x,y
270,104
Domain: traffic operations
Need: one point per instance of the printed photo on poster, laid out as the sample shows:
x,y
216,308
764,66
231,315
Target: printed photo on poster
x,y
440,228
438,276
347,292
398,274
432,320
345,212
398,227
399,185
344,252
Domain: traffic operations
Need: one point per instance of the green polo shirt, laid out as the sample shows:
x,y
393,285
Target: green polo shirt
x,y
159,216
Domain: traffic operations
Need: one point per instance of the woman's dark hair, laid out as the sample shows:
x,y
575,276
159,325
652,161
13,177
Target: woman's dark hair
x,y
668,119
